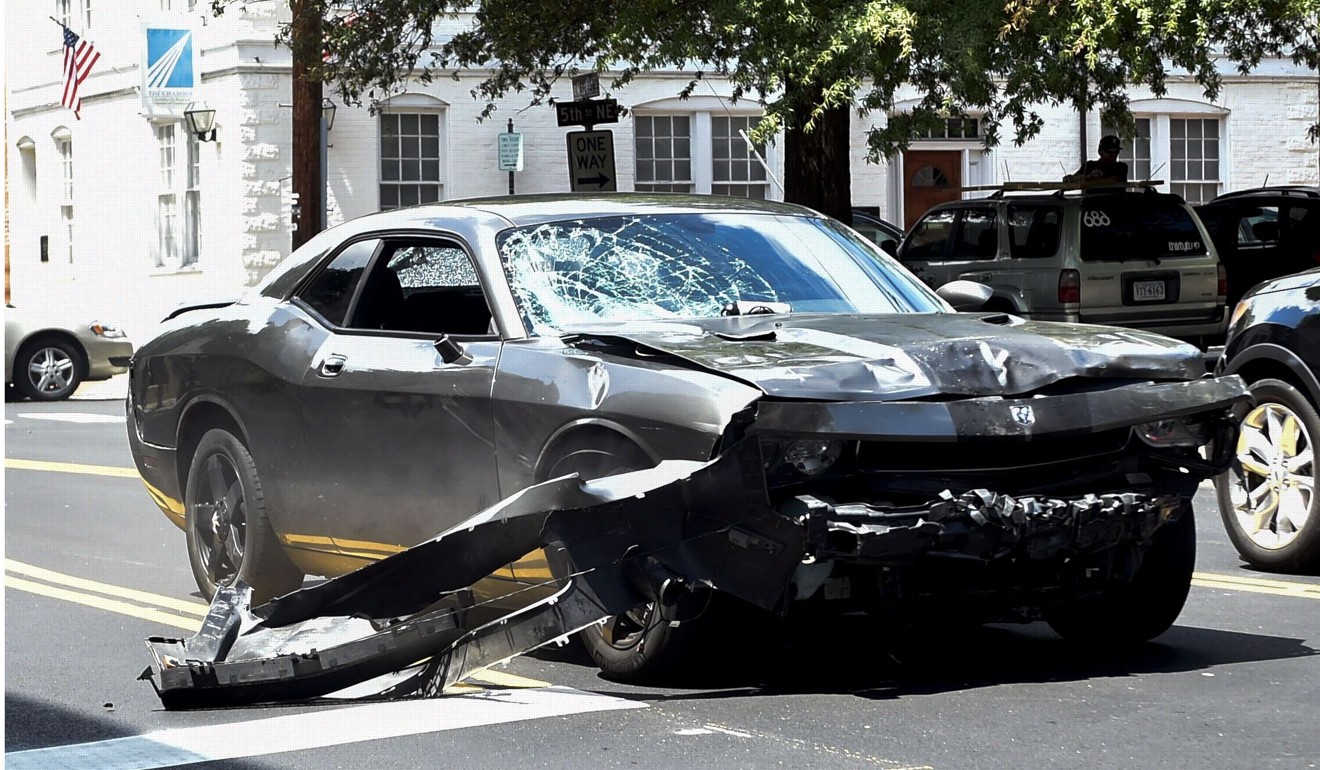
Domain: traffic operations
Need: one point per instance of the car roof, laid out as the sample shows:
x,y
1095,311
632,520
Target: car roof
x,y
1279,192
523,210
1056,198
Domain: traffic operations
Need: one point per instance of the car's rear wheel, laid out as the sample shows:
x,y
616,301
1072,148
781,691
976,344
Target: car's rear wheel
x,y
1267,498
639,645
228,530
48,369
1144,607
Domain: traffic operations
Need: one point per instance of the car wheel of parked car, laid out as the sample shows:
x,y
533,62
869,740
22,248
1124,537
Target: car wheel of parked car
x,y
636,646
48,370
228,531
1267,499
1146,606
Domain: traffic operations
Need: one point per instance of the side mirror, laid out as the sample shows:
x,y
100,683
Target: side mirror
x,y
890,248
965,296
451,352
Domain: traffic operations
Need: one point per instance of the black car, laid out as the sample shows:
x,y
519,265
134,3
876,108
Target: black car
x,y
882,233
406,370
1267,498
1263,233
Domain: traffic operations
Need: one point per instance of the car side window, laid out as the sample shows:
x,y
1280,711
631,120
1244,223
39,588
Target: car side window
x,y
977,235
331,291
424,286
1259,227
1033,231
930,237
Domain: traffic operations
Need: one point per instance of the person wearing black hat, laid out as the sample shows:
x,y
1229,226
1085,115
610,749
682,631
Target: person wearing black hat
x,y
1107,169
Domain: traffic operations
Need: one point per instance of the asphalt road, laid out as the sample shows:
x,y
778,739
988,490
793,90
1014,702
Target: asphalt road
x,y
92,569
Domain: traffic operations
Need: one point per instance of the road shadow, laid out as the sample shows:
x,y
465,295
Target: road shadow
x,y
31,723
856,659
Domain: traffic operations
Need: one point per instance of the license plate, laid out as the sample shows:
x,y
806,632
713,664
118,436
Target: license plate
x,y
1148,291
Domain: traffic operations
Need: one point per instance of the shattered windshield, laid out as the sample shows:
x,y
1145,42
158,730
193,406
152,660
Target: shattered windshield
x,y
659,266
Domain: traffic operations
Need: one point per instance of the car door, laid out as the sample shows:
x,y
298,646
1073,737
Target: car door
x,y
396,403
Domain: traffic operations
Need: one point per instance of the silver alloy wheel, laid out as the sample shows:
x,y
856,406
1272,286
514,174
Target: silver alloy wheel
x,y
1274,488
50,370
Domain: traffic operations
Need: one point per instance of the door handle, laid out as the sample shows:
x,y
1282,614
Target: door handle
x,y
332,366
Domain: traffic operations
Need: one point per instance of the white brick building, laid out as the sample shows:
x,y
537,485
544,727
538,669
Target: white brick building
x,y
136,216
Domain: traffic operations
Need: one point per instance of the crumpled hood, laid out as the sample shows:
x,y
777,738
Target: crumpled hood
x,y
890,357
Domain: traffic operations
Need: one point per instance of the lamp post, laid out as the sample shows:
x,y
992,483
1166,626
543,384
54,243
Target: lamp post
x,y
201,121
327,122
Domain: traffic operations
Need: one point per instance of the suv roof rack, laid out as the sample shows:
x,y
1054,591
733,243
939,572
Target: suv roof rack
x,y
1059,188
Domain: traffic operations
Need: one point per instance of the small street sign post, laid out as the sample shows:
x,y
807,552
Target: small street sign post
x,y
587,113
591,161
510,153
586,86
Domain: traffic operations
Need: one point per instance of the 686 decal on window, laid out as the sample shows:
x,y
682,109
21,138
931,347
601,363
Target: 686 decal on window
x,y
1095,219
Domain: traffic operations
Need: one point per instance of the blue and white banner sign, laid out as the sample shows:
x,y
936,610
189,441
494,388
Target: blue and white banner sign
x,y
169,71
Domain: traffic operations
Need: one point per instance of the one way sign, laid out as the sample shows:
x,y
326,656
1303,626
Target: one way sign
x,y
591,161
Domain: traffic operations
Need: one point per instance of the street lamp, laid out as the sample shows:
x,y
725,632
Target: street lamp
x,y
201,121
327,120
328,113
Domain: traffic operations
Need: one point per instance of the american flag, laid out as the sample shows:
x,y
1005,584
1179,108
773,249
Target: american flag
x,y
79,57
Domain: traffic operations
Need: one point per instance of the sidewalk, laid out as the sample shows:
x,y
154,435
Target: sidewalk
x,y
113,389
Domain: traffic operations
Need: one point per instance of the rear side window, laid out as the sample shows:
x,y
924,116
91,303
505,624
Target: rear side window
x,y
930,237
331,291
1033,231
1138,226
978,235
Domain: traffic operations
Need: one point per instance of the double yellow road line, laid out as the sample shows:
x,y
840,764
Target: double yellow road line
x,y
1256,585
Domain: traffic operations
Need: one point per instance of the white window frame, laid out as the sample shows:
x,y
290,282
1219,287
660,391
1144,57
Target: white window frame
x,y
1206,186
650,148
64,12
1161,113
701,138
398,115
178,197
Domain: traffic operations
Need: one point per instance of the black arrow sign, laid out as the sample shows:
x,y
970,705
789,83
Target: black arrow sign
x,y
600,180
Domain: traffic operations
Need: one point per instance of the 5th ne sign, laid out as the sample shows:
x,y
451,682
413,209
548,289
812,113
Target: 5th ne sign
x,y
591,161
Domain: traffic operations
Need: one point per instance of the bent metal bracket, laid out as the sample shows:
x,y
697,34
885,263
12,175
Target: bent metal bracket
x,y
399,627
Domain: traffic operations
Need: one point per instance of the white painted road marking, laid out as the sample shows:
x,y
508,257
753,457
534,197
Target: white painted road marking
x,y
81,417
314,730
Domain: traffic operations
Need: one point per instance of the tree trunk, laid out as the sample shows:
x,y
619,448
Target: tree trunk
x,y
817,164
305,44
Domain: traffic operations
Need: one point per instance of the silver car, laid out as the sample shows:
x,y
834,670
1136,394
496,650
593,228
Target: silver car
x,y
48,355
1138,259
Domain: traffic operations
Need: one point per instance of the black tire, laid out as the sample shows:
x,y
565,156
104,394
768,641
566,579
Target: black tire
x,y
228,529
48,369
638,646
1281,532
1145,607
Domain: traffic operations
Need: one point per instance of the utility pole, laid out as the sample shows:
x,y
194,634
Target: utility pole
x,y
306,44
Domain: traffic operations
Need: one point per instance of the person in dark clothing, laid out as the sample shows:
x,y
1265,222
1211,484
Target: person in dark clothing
x,y
1107,169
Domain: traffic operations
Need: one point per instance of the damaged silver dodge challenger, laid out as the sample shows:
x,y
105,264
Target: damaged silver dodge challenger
x,y
451,411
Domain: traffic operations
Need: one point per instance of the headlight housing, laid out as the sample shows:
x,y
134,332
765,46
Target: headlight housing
x,y
811,457
105,330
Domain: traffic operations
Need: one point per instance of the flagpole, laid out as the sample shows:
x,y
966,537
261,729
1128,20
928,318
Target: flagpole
x,y
57,21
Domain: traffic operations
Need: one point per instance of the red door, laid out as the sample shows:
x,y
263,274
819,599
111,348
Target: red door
x,y
931,177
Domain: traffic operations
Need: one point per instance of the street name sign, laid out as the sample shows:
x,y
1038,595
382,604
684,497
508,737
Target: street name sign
x,y
586,86
591,161
511,152
587,113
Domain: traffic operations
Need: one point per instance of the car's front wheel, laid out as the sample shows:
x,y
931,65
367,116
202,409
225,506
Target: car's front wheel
x,y
48,370
228,530
1144,607
1267,498
639,645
